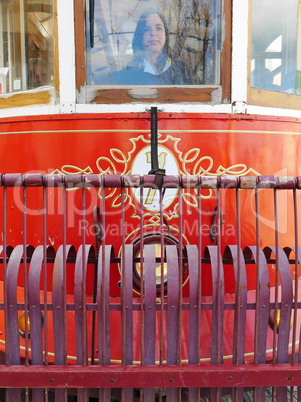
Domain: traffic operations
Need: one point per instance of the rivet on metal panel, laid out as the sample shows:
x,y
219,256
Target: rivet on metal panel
x,y
171,379
112,379
230,378
148,109
289,377
52,380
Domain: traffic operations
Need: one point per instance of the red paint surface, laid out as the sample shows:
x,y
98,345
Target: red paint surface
x,y
44,144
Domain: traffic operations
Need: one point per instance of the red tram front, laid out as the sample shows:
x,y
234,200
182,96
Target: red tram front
x,y
149,195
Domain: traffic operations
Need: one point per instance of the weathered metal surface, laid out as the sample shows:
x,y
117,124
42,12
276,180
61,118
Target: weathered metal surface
x,y
197,316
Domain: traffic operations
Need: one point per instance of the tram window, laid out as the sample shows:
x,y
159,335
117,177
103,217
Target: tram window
x,y
276,46
26,44
153,42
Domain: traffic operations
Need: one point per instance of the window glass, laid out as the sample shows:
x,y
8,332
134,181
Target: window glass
x,y
276,45
147,42
26,44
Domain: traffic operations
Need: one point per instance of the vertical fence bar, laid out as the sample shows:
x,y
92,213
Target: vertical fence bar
x,y
172,333
126,299
162,315
84,272
180,277
103,306
35,313
127,307
85,253
194,321
241,299
25,273
64,290
12,334
220,287
143,392
220,283
296,288
257,258
276,297
5,271
103,303
149,342
211,253
195,394
297,261
80,291
61,394
45,284
259,393
280,391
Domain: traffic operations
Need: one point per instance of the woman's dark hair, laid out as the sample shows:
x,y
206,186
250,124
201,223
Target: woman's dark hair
x,y
137,44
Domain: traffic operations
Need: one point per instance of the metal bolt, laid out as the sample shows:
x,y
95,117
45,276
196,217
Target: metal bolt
x,y
171,379
289,377
52,380
230,378
112,379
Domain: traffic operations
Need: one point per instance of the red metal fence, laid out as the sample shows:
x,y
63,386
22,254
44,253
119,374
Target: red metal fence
x,y
87,311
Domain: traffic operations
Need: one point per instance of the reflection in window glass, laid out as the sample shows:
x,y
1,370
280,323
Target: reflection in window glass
x,y
275,45
147,42
26,44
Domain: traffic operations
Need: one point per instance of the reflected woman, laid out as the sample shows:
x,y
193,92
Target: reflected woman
x,y
151,63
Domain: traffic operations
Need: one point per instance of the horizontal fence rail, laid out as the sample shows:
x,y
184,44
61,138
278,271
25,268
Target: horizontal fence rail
x,y
117,288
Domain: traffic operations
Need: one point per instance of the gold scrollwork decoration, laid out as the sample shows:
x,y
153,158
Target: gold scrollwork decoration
x,y
190,164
